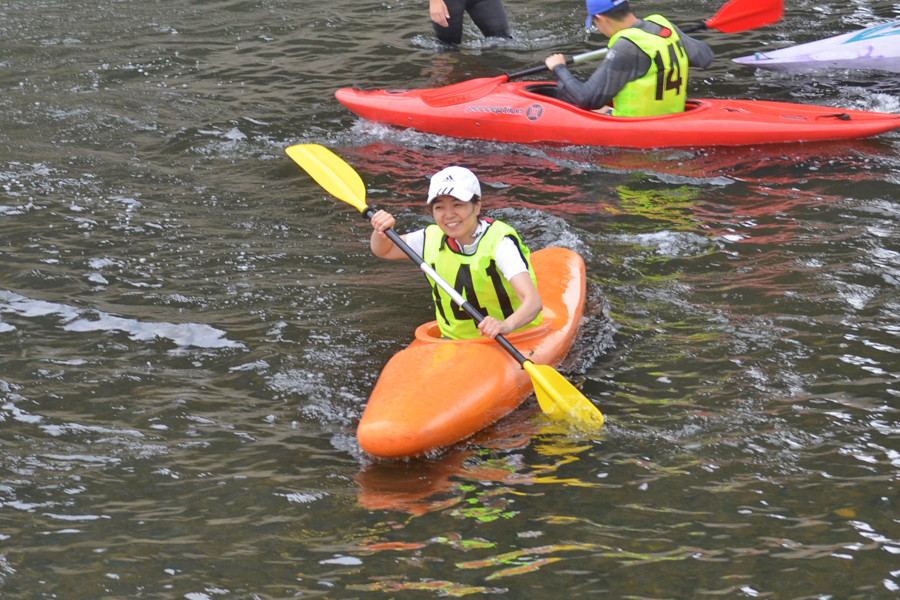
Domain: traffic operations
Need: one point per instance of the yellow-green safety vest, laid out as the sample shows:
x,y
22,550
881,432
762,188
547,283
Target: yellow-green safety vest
x,y
476,277
663,89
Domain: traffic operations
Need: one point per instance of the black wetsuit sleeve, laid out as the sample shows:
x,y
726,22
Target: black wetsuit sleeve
x,y
623,63
699,53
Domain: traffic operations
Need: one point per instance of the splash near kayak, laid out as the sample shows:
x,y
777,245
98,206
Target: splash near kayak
x,y
416,407
876,47
530,113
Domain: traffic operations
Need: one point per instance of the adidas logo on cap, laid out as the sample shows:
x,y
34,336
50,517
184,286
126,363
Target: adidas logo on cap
x,y
463,186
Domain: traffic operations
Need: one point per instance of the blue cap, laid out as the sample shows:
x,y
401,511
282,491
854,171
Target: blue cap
x,y
598,7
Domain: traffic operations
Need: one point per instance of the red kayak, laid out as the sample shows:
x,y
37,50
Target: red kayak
x,y
529,113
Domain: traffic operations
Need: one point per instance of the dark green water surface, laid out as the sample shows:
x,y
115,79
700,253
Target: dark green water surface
x,y
190,327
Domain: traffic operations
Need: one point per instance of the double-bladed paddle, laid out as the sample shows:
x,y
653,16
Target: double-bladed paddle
x,y
557,397
735,16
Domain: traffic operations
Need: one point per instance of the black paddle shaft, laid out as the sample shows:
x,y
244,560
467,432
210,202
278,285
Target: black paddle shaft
x,y
534,70
369,212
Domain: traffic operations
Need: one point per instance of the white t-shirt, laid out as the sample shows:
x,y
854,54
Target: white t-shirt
x,y
509,260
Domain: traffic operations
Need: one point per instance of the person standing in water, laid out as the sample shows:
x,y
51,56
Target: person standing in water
x,y
488,15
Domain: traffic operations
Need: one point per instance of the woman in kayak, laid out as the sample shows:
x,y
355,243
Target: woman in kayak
x,y
484,259
488,15
645,71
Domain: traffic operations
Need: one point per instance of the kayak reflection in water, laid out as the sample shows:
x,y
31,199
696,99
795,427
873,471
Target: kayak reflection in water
x,y
488,15
484,259
645,71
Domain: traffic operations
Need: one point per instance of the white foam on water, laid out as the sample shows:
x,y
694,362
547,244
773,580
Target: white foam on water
x,y
99,263
341,560
259,365
234,134
196,335
63,531
130,203
26,506
85,458
323,400
182,334
58,430
15,210
18,414
210,590
26,307
670,243
301,498
72,517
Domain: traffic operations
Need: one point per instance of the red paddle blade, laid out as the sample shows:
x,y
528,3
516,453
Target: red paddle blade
x,y
743,15
464,91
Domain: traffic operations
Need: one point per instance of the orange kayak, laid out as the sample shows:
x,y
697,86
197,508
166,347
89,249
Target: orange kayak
x,y
437,392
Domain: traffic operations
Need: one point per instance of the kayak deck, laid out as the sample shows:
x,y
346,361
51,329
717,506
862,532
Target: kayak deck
x,y
437,392
529,112
876,47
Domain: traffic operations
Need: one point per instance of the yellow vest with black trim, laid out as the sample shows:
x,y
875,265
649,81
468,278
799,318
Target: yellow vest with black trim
x,y
663,89
476,277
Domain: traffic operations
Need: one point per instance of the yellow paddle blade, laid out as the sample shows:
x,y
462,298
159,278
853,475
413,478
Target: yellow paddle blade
x,y
560,399
331,172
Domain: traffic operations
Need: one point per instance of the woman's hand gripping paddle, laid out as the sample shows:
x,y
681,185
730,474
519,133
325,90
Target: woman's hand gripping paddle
x,y
735,16
558,398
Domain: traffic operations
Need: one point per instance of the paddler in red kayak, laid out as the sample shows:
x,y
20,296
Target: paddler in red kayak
x,y
484,259
645,71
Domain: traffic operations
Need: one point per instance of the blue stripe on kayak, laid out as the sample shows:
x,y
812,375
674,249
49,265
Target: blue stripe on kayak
x,y
876,32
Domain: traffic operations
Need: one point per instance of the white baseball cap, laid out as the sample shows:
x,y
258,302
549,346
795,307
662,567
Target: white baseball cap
x,y
458,182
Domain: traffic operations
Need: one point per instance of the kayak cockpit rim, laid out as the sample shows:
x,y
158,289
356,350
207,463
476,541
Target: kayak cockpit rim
x,y
430,333
549,90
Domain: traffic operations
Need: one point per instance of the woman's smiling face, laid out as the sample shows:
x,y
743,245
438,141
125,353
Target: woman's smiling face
x,y
456,218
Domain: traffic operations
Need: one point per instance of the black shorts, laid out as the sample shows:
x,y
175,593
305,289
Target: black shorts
x,y
488,15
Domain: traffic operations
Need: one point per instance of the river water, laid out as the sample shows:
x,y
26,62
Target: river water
x,y
190,327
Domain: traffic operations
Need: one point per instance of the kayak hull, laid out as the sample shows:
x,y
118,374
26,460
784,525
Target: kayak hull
x,y
438,392
527,112
876,47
